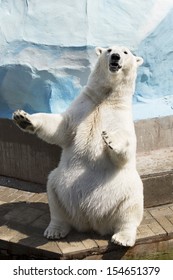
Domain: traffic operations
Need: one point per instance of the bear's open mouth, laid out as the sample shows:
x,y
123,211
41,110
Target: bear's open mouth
x,y
114,66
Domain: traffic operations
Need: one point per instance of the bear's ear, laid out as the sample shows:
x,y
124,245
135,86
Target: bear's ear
x,y
139,60
99,50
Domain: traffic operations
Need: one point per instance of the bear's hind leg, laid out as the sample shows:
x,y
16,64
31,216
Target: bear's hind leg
x,y
58,226
126,228
125,237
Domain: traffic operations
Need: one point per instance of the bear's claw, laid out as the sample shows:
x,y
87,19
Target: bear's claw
x,y
21,119
106,139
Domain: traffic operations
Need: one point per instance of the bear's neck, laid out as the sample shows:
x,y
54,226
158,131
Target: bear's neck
x,y
114,90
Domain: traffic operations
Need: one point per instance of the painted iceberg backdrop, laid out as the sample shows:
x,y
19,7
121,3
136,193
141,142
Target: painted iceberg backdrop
x,y
47,51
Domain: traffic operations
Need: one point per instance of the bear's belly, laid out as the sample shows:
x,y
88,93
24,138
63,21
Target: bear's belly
x,y
75,179
93,193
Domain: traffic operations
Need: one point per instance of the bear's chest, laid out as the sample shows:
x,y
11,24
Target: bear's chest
x,y
88,137
88,133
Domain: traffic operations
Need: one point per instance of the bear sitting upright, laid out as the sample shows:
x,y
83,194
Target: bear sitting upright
x,y
96,185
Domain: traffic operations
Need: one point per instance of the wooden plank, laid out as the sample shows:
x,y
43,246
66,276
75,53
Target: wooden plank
x,y
147,218
22,214
18,237
6,233
87,240
41,222
157,229
27,221
103,241
64,246
23,197
149,227
15,196
162,220
8,194
2,202
34,243
89,244
144,231
165,210
43,198
37,197
71,244
170,216
2,188
51,246
12,195
5,208
39,201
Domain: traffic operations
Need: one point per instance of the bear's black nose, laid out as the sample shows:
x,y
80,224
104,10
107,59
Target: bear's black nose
x,y
115,56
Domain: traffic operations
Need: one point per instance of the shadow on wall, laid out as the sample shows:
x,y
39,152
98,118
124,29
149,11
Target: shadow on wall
x,y
23,88
39,78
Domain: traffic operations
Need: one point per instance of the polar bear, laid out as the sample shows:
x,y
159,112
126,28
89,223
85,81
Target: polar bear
x,y
96,185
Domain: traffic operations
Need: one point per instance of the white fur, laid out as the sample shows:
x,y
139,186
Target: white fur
x,y
96,185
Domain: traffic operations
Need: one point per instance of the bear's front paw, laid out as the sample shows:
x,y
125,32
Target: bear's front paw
x,y
22,120
107,140
56,232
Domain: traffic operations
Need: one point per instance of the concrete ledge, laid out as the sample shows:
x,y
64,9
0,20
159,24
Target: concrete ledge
x,y
24,156
156,170
154,134
28,158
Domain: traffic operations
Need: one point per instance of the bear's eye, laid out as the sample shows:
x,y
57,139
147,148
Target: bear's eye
x,y
109,50
125,52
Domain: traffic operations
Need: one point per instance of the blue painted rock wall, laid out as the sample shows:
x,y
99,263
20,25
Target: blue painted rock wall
x,y
47,51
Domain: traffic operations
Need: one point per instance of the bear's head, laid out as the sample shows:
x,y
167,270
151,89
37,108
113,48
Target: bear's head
x,y
118,59
114,74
